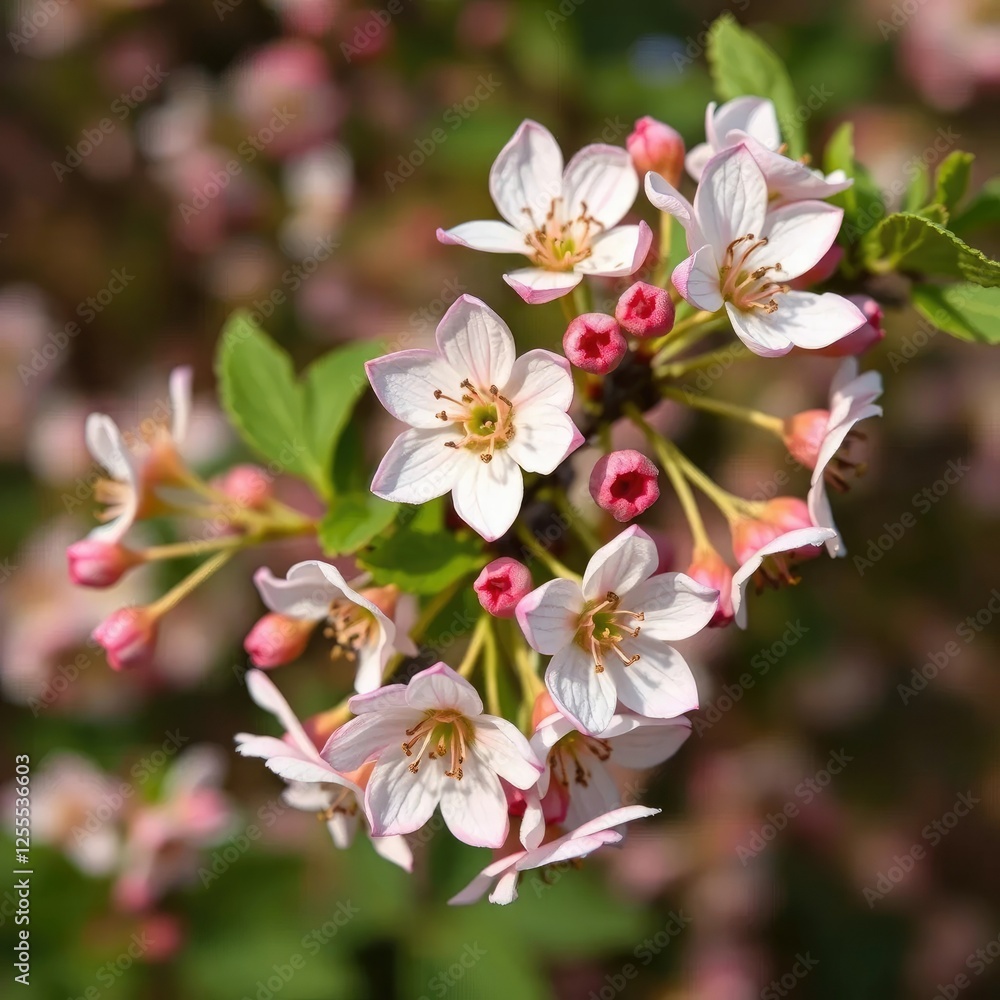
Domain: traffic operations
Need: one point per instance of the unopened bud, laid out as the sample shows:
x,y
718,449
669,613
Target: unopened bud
x,y
128,636
657,147
93,563
501,585
276,639
709,568
804,435
624,484
594,342
645,310
248,485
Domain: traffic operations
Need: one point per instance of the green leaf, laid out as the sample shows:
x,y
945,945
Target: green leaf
x,y
862,202
953,179
353,520
333,385
934,213
969,312
743,64
422,556
258,390
982,210
919,189
907,242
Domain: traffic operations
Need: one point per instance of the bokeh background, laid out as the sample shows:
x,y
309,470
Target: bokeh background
x,y
117,117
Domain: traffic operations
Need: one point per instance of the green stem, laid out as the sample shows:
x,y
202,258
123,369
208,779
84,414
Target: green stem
x,y
765,421
566,304
684,336
479,635
491,669
541,553
723,355
583,530
176,594
581,299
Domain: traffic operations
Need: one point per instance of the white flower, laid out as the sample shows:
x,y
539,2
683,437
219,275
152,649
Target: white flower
x,y
753,122
133,472
773,561
432,744
852,399
478,417
743,255
579,764
315,591
565,222
609,638
577,844
313,786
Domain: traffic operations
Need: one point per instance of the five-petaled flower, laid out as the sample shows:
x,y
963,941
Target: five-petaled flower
x,y
432,744
478,416
608,637
565,222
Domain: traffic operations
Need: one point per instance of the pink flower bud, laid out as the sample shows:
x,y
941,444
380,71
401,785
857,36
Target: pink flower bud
x,y
276,639
819,272
864,337
128,636
594,343
501,585
624,484
248,485
804,435
93,563
778,516
657,147
645,310
709,568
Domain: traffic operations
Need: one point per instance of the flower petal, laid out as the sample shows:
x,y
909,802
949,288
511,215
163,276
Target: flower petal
x,y
802,319
664,196
296,769
398,801
485,234
697,158
504,749
396,850
248,745
527,174
487,496
387,697
536,285
180,402
545,436
696,278
650,741
441,687
540,377
475,808
405,383
580,690
418,466
674,605
266,694
731,200
549,615
621,565
799,235
659,684
365,738
106,444
306,592
754,115
476,342
595,796
618,252
600,182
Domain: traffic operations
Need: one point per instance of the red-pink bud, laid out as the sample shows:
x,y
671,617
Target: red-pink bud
x,y
501,585
709,568
804,435
645,310
128,636
657,147
864,337
594,343
819,272
93,563
248,485
276,639
624,484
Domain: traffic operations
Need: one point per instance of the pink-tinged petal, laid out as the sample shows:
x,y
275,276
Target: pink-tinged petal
x,y
296,769
180,402
790,541
307,797
398,801
835,437
371,660
697,279
365,738
600,182
549,616
675,606
788,180
621,565
540,377
802,319
594,798
418,466
396,850
266,695
405,383
664,196
762,337
488,495
475,890
506,889
503,748
441,687
619,252
821,514
537,286
731,200
533,821
545,436
755,116
487,235
582,692
307,590
697,158
476,343
382,700
649,742
527,175
475,808
659,684
609,821
800,235
105,443
342,829
260,746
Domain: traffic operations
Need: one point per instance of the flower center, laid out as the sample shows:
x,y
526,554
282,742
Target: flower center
x,y
570,755
350,627
557,245
601,630
484,417
746,286
441,733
